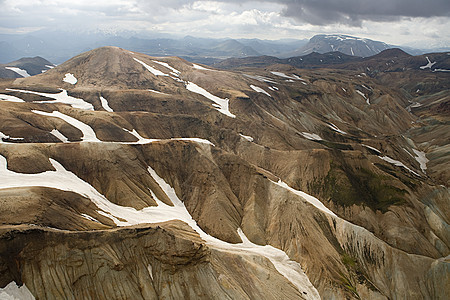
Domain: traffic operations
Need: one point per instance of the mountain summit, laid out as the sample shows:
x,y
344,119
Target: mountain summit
x,y
346,44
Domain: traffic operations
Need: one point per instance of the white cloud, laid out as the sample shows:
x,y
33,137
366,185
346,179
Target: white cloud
x,y
261,19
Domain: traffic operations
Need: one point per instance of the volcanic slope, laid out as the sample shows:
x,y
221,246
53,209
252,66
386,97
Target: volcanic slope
x,y
151,178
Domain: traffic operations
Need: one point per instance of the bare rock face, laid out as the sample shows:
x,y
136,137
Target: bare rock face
x,y
166,260
153,178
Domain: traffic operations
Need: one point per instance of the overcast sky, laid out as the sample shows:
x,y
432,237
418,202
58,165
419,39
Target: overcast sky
x,y
392,21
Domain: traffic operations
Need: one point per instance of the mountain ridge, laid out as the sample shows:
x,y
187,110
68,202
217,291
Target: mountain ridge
x,y
325,168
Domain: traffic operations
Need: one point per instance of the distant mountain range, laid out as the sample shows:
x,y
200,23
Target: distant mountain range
x,y
389,60
343,43
58,46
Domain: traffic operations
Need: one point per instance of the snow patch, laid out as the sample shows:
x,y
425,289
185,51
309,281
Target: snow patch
x,y
197,140
281,74
313,200
105,104
248,138
364,96
428,65
19,71
311,136
261,78
90,218
223,103
69,78
4,136
260,90
59,136
372,148
10,98
174,71
153,91
14,292
397,163
50,67
87,131
335,128
151,69
198,67
421,159
61,97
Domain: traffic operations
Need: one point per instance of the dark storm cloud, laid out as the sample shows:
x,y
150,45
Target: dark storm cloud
x,y
353,12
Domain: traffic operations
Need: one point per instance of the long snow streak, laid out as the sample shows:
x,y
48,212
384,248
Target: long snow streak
x,y
313,200
174,71
105,104
151,69
397,163
88,133
59,136
221,103
259,90
10,98
19,71
61,97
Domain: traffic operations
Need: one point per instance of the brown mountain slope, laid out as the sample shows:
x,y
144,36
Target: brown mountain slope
x,y
236,147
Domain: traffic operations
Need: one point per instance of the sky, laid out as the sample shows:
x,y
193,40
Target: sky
x,y
399,22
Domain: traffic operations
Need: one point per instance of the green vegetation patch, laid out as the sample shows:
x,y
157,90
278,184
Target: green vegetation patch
x,y
346,186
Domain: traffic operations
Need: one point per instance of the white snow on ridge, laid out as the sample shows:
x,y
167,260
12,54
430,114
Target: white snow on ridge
x,y
313,200
61,97
88,132
59,136
105,104
364,96
70,78
151,69
153,91
14,292
261,78
428,65
372,148
281,74
86,216
260,90
10,98
223,103
174,71
248,138
421,159
198,67
335,128
50,67
141,140
19,71
441,70
4,136
197,140
397,163
311,136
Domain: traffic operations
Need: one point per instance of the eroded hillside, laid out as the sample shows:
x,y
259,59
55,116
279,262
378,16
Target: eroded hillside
x,y
129,176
